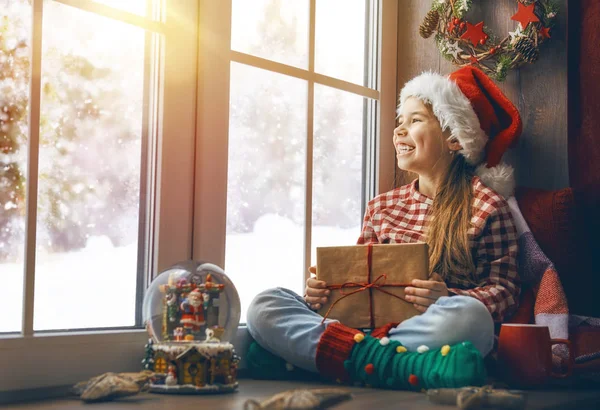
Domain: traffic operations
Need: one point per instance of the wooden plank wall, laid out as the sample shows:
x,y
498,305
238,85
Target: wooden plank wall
x,y
539,91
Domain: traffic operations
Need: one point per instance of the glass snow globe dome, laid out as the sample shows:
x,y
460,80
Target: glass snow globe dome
x,y
191,302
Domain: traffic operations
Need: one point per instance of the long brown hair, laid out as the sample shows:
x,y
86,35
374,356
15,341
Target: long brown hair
x,y
449,249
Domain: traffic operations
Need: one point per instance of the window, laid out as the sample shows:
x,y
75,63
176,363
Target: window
x,y
187,104
97,124
289,148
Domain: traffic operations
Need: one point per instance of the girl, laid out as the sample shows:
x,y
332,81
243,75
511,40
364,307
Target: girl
x,y
446,125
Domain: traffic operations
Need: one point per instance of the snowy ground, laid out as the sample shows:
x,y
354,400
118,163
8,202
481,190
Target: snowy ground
x,y
95,286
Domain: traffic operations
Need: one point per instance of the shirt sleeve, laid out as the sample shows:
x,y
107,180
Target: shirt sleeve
x,y
496,264
368,234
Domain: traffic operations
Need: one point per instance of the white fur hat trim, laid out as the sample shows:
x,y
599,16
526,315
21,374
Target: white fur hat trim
x,y
452,109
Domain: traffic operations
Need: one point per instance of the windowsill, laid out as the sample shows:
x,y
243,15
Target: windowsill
x,y
75,338
362,397
75,357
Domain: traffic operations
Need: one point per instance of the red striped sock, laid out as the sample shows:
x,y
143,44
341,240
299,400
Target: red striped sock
x,y
334,348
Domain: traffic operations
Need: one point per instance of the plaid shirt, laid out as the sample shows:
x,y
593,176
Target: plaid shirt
x,y
401,215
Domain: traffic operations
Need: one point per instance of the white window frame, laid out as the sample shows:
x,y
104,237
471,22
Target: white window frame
x,y
213,117
32,361
191,151
215,57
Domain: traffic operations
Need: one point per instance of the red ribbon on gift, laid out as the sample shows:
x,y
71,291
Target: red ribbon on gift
x,y
378,284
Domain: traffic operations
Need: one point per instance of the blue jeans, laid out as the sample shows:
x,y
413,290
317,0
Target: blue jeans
x,y
281,322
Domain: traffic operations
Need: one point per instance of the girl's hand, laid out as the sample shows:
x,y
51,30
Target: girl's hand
x,y
424,293
316,293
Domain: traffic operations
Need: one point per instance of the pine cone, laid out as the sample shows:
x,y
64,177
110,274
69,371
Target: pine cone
x,y
429,24
526,47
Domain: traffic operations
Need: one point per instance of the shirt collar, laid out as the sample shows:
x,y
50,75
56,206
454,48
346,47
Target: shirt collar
x,y
419,197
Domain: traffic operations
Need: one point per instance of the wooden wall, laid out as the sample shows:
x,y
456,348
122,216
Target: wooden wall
x,y
539,90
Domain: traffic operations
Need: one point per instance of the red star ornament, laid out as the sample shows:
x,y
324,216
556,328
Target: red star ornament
x,y
474,33
545,32
525,15
473,60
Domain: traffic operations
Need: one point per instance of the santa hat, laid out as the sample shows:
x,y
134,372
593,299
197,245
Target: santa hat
x,y
478,115
196,293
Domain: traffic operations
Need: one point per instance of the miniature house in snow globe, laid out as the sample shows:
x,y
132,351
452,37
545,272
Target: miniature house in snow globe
x,y
191,311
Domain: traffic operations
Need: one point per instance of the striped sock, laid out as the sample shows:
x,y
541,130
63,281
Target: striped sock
x,y
387,364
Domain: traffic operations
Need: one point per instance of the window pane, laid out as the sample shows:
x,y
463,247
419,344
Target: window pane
x,y
337,168
138,7
89,173
15,31
340,39
266,182
273,29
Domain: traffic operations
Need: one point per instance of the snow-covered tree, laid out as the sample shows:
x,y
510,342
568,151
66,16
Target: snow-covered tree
x,y
89,153
14,78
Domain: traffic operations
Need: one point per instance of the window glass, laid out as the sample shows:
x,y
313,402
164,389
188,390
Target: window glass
x,y
15,37
89,170
273,29
266,182
337,168
340,39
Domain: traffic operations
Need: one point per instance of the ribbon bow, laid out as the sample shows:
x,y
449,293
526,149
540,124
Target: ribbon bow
x,y
366,286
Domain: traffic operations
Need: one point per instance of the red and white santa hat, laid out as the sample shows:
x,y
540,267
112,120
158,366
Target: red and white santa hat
x,y
478,114
196,293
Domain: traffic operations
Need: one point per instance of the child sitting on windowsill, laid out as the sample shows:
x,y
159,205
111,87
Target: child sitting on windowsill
x,y
452,132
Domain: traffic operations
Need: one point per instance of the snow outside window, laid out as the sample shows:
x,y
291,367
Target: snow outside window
x,y
89,171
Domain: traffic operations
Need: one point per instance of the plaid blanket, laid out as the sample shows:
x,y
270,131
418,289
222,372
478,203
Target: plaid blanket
x,y
550,303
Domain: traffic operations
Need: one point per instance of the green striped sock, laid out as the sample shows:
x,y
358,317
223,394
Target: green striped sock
x,y
386,364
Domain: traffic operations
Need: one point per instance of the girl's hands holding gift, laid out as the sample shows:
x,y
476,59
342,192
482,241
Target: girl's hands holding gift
x,y
316,293
424,293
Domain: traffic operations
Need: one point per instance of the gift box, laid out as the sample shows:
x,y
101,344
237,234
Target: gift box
x,y
367,282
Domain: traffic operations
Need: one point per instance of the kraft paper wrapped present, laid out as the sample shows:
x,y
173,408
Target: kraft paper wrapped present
x,y
367,282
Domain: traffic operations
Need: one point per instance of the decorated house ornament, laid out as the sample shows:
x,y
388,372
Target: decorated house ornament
x,y
191,311
464,43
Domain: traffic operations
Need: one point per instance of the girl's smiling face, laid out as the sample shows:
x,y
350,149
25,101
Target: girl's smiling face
x,y
421,146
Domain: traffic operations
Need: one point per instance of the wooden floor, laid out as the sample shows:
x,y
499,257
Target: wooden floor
x,y
363,398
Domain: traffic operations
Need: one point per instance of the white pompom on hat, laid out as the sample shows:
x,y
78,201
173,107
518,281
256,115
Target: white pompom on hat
x,y
478,115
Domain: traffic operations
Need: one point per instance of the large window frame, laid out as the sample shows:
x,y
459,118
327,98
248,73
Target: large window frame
x,y
37,360
190,150
215,58
214,61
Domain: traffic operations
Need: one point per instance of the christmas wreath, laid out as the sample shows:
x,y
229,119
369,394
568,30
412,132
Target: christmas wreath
x,y
465,43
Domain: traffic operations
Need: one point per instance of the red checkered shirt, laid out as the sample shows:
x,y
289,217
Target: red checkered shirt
x,y
400,216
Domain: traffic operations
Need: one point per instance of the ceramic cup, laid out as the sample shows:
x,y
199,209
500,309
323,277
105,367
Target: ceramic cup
x,y
525,355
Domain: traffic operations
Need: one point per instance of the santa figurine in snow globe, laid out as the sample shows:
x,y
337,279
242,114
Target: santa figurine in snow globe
x,y
191,311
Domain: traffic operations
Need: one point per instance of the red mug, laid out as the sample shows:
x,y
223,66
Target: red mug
x,y
525,355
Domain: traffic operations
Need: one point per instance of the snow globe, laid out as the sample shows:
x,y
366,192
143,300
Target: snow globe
x,y
191,311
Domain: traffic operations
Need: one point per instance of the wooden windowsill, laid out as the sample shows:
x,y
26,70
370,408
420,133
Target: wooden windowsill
x,y
260,390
